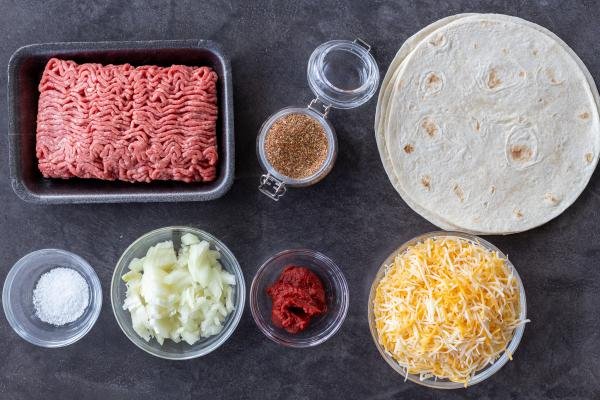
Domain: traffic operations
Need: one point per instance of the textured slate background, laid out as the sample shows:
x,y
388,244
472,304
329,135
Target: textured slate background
x,y
354,216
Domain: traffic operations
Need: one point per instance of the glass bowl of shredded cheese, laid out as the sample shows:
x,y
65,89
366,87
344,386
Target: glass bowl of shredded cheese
x,y
447,310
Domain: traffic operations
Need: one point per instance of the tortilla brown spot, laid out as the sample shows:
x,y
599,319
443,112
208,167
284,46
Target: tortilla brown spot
x,y
426,182
551,76
551,199
589,157
518,213
519,152
408,149
459,192
493,81
584,115
432,79
437,40
430,127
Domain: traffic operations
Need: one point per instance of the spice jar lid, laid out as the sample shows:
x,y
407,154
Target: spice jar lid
x,y
343,74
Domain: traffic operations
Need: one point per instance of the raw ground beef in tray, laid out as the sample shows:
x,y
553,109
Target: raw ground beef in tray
x,y
119,122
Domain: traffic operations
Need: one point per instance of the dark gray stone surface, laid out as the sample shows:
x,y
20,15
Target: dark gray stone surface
x,y
354,216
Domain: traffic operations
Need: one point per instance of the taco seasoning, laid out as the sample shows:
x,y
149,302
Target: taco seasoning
x,y
298,296
296,146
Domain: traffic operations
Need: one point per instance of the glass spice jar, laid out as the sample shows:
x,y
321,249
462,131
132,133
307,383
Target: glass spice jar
x,y
342,74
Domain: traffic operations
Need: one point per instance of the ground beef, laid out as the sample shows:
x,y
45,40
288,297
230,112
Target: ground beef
x,y
119,122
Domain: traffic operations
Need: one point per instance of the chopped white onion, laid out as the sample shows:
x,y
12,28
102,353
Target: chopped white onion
x,y
184,296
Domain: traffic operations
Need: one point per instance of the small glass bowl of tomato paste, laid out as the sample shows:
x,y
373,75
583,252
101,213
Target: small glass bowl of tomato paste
x,y
321,327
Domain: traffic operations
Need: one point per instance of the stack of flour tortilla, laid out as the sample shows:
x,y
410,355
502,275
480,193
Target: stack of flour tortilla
x,y
488,124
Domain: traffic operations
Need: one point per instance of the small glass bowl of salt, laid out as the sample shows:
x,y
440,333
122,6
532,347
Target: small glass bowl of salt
x,y
52,297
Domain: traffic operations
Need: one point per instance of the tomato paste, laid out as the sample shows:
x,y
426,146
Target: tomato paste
x,y
298,296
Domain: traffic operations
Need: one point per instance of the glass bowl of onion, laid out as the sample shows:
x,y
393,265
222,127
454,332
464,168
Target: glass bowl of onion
x,y
178,293
410,283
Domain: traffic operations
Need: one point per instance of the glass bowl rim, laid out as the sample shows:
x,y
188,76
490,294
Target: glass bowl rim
x,y
222,336
95,294
339,317
482,374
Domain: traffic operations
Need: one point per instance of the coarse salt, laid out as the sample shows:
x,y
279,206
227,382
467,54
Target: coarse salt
x,y
60,296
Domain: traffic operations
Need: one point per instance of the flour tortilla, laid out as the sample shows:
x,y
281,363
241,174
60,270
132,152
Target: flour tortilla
x,y
497,158
389,82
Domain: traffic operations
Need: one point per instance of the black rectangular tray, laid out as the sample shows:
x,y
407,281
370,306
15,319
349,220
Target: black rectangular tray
x,y
24,73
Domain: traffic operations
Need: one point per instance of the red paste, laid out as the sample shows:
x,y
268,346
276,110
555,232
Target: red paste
x,y
298,296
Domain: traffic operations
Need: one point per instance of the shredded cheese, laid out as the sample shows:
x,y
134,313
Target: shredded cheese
x,y
447,307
